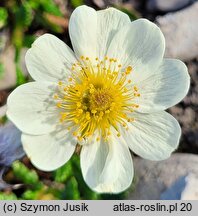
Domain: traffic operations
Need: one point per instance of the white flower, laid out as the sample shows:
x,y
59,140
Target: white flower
x,y
109,95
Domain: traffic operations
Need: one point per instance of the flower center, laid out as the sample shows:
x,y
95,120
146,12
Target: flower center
x,y
97,96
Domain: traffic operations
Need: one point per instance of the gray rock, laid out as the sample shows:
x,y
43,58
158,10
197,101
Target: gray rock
x,y
167,5
153,178
3,110
190,191
185,188
175,191
4,36
185,116
181,33
9,76
106,3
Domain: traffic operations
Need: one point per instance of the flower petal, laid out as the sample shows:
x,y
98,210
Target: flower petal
x,y
49,59
141,45
153,136
107,166
110,21
32,109
82,30
164,88
49,151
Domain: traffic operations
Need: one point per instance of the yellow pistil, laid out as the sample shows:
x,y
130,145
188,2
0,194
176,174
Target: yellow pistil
x,y
96,97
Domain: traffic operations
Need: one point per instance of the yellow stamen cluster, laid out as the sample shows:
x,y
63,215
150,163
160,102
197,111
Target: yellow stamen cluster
x,y
97,96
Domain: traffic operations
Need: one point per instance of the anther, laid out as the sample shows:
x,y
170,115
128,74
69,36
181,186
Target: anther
x,y
55,96
78,104
135,88
76,121
124,125
87,116
58,105
79,138
91,91
108,133
74,133
93,111
128,70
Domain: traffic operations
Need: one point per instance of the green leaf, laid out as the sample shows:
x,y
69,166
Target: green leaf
x,y
76,3
17,36
28,40
29,195
63,173
23,15
25,175
1,70
50,7
34,4
71,190
9,196
20,77
3,17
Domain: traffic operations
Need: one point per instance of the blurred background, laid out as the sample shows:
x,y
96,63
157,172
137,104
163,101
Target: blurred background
x,y
21,21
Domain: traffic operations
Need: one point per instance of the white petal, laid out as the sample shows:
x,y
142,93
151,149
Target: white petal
x,y
140,45
153,136
49,59
32,109
110,21
164,88
107,166
50,151
82,30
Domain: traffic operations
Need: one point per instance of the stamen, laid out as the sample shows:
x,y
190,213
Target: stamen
x,y
98,97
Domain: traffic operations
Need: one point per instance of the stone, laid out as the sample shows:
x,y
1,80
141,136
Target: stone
x,y
167,5
186,188
174,192
8,79
181,33
106,3
188,117
3,39
3,110
153,178
190,191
